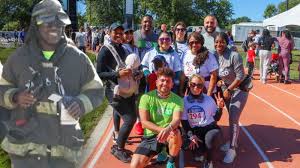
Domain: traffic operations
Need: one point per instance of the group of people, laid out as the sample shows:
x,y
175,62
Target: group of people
x,y
173,90
262,46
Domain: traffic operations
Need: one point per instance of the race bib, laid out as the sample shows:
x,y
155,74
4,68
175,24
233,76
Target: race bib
x,y
196,115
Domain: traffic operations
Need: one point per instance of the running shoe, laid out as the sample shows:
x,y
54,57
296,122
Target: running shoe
x,y
230,156
120,154
138,128
170,165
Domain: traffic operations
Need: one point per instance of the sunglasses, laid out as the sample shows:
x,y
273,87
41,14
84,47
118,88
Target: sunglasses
x,y
198,85
194,42
167,39
182,30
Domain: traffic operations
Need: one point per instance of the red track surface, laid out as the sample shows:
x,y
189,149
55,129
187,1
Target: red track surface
x,y
275,130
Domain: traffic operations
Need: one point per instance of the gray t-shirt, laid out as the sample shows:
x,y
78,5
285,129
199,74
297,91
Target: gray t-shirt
x,y
230,66
144,43
80,39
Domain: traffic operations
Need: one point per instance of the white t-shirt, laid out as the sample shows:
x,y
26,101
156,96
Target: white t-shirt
x,y
182,48
206,68
199,114
172,59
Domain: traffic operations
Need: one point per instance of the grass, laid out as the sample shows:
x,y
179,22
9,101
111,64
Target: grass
x,y
294,73
88,122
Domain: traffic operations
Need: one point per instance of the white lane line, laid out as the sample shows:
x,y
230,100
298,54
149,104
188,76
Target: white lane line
x,y
278,88
99,153
259,150
277,109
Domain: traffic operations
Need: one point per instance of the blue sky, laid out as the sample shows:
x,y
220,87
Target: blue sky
x,y
254,9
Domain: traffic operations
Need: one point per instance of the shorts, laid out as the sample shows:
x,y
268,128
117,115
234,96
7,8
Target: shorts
x,y
201,132
149,146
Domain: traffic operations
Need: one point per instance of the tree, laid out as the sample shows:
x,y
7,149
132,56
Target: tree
x,y
282,5
241,19
270,11
17,11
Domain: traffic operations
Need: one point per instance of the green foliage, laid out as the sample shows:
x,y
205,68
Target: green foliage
x,y
16,10
282,5
15,25
270,11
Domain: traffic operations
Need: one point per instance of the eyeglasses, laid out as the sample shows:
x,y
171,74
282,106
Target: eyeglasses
x,y
198,85
167,39
182,30
194,42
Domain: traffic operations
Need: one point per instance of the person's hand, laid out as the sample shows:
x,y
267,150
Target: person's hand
x,y
24,99
163,135
226,94
195,141
125,72
72,107
220,100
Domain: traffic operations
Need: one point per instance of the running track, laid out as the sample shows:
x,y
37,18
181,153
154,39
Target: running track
x,y
269,137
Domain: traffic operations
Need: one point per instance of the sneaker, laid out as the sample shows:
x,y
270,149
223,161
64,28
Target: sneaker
x,y
208,164
287,82
230,156
138,128
162,157
199,158
225,147
170,165
120,154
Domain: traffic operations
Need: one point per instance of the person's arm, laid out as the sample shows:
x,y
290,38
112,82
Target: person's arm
x,y
104,70
92,90
213,68
146,123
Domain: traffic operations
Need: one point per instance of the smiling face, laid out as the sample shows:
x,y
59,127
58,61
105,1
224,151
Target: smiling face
x,y
220,45
117,35
164,41
180,32
194,44
210,24
196,85
146,23
50,34
128,36
164,85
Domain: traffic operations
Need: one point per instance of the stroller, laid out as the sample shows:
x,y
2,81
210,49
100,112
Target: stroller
x,y
274,67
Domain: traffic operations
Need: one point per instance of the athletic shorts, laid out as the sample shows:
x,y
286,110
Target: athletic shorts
x,y
149,146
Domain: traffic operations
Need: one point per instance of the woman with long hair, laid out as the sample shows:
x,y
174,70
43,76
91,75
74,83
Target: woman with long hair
x,y
198,60
231,73
180,39
285,54
265,43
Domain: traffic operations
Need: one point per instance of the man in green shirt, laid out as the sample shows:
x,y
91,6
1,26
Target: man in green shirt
x,y
160,112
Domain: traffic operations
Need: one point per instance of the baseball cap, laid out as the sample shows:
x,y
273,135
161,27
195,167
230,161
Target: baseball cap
x,y
127,28
48,11
116,25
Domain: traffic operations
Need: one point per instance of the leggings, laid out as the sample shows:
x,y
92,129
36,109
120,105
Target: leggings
x,y
235,106
284,64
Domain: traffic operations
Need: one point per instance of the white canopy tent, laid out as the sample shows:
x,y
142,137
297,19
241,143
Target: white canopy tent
x,y
289,17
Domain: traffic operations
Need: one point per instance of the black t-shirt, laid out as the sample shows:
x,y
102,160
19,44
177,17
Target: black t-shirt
x,y
266,42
